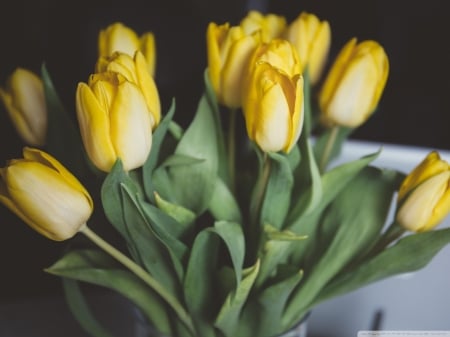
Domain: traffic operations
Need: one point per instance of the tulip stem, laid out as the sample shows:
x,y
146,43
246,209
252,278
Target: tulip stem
x,y
232,148
139,272
257,202
328,148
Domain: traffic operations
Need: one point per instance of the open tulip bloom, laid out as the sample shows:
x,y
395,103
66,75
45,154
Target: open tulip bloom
x,y
235,226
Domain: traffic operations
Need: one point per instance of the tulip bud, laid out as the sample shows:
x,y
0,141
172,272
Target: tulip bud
x,y
133,70
280,54
114,121
45,195
273,108
424,196
311,38
228,51
271,26
354,85
24,100
118,37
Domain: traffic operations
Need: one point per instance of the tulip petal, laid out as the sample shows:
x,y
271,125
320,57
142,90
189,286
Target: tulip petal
x,y
359,81
92,116
46,159
149,89
273,121
131,126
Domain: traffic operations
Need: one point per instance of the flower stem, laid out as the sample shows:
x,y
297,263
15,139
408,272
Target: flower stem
x,y
139,272
328,148
256,206
232,149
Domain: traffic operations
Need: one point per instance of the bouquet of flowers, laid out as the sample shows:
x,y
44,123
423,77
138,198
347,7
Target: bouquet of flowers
x,y
236,225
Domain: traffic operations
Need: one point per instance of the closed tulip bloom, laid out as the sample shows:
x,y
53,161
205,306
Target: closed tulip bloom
x,y
273,108
270,26
354,85
45,195
228,52
114,121
279,53
424,196
133,70
24,100
312,38
119,37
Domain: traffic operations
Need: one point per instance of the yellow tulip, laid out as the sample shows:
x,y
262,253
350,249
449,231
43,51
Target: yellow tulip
x,y
133,70
354,85
228,52
270,26
273,108
279,53
24,100
45,195
114,121
312,38
121,38
424,196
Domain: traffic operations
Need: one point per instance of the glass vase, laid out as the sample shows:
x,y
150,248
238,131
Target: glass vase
x,y
143,329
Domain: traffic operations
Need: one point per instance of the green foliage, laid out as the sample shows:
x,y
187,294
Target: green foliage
x,y
223,258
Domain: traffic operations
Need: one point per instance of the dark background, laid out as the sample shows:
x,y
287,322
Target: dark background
x,y
414,109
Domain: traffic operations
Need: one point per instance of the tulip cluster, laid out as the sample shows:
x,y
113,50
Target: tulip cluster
x,y
223,242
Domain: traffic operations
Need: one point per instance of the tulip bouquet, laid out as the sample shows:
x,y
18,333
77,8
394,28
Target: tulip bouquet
x,y
236,225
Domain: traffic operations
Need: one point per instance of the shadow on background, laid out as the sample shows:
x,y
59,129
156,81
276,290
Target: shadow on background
x,y
414,110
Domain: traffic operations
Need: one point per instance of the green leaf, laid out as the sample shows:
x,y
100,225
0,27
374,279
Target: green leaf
x,y
183,216
81,310
96,267
199,283
166,229
276,251
333,182
149,250
63,137
228,319
223,205
357,219
193,185
409,254
273,300
233,237
157,141
111,197
307,181
278,191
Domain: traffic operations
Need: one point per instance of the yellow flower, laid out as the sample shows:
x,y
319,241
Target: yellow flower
x,y
45,195
119,37
24,100
270,25
273,108
228,51
354,85
114,121
133,70
424,196
312,38
279,53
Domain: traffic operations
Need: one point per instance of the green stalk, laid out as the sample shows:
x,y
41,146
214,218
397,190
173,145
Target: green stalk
x,y
256,205
232,149
328,148
141,273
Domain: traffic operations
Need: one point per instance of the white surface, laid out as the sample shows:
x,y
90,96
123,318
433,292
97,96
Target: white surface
x,y
415,301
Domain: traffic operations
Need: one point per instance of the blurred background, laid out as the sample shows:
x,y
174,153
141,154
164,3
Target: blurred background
x,y
414,109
